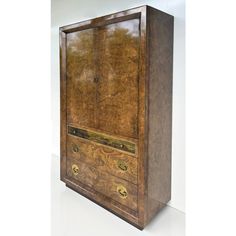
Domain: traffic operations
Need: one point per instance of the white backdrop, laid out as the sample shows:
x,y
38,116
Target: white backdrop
x,y
70,11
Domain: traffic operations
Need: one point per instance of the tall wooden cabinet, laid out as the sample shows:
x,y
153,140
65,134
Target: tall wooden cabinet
x,y
116,104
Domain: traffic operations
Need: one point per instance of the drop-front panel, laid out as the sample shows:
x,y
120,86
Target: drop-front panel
x,y
109,109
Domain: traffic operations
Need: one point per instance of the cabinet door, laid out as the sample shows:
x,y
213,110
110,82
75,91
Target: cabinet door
x,y
102,78
80,67
117,92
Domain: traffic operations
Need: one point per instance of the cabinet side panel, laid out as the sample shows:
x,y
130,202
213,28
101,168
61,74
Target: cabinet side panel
x,y
160,36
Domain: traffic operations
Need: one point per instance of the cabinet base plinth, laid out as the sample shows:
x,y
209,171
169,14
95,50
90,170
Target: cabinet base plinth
x,y
104,207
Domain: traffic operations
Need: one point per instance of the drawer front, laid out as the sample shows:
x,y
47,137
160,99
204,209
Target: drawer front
x,y
105,139
103,158
117,189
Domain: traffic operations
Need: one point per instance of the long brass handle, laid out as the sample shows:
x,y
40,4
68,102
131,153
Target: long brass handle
x,y
122,165
75,169
122,191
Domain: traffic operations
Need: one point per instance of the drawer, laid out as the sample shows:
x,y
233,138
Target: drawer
x,y
122,144
117,189
103,158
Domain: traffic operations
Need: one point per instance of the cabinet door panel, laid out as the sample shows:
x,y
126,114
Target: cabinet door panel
x,y
102,78
117,95
81,100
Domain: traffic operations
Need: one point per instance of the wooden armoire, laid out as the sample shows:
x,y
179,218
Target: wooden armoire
x,y
116,111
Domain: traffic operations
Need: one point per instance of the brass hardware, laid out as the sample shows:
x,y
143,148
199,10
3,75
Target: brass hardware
x,y
104,139
75,148
75,169
122,191
122,165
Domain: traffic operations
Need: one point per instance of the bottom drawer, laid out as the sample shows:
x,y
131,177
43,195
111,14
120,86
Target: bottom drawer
x,y
117,189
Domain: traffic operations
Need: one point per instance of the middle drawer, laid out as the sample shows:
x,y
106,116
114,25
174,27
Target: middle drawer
x,y
103,158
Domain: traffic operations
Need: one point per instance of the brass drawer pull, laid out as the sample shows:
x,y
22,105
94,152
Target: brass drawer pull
x,y
122,165
75,148
122,191
75,169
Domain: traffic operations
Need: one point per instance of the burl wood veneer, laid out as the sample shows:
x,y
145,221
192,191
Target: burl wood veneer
x,y
116,111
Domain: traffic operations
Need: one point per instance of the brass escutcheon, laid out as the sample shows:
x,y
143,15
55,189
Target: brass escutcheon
x,y
122,165
122,191
75,148
75,169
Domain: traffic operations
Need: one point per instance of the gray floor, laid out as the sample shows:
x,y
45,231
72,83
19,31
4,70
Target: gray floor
x,y
73,215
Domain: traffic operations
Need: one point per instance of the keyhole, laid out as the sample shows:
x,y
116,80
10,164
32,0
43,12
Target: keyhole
x,y
96,79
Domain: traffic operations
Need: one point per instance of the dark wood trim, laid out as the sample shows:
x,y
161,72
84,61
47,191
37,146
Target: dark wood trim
x,y
104,20
63,128
89,25
143,106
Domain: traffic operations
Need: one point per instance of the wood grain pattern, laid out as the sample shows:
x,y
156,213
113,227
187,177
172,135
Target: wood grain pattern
x,y
104,183
80,77
103,158
102,79
102,138
160,111
116,79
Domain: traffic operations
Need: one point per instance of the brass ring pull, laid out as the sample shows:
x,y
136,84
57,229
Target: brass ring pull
x,y
122,191
75,148
122,165
75,169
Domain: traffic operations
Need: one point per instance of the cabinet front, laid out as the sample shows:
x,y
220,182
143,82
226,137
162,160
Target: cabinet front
x,y
102,98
